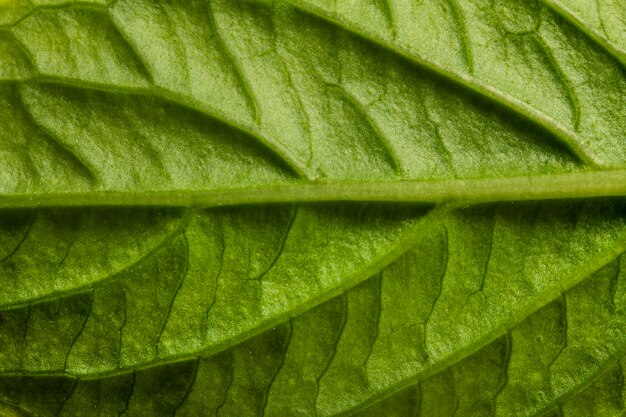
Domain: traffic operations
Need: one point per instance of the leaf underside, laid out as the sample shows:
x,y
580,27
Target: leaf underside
x,y
312,208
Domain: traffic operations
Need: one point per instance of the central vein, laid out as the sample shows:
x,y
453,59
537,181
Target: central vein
x,y
543,187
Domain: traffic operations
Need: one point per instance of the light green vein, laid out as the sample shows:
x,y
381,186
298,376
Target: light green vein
x,y
542,187
592,34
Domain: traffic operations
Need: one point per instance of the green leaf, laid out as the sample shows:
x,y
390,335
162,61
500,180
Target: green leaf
x,y
127,290
219,277
498,51
557,363
205,115
363,348
602,21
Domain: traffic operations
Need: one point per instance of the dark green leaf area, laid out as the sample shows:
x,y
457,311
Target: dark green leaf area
x,y
534,368
455,301
565,360
222,275
46,253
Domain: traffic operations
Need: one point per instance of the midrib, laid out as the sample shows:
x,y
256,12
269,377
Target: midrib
x,y
470,191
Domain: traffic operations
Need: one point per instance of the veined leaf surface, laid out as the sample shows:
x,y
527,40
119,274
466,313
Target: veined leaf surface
x,y
391,140
363,348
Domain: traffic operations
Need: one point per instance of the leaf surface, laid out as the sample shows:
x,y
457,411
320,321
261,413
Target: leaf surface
x,y
359,343
128,290
210,285
197,108
602,21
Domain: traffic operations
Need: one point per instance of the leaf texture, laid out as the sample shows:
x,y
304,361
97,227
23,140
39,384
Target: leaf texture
x,y
424,208
359,341
195,106
211,284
